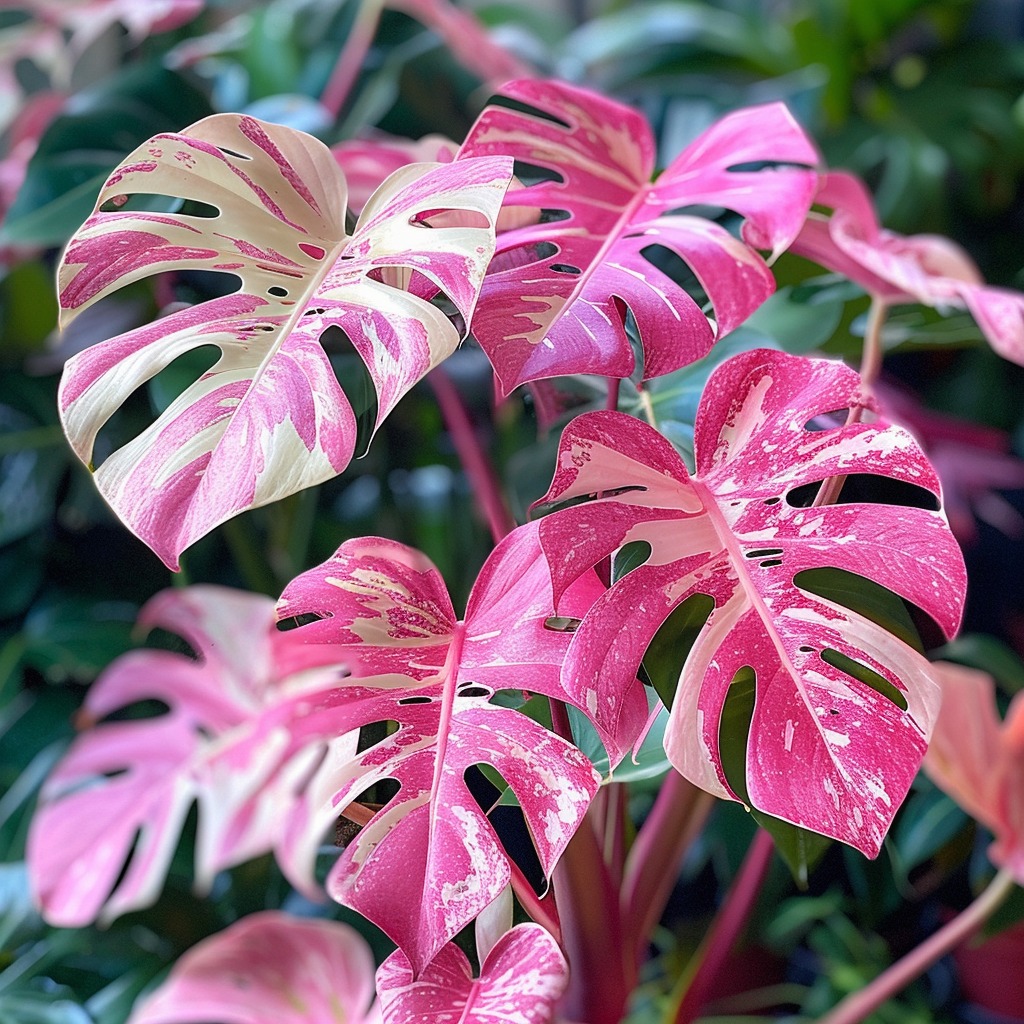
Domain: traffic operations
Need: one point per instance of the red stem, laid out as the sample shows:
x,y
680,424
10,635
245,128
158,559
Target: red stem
x,y
591,932
353,54
727,926
652,866
476,464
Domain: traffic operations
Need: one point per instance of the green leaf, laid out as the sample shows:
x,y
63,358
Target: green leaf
x,y
667,652
83,145
800,848
72,638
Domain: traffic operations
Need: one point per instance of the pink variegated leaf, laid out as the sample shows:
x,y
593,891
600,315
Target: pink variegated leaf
x,y
122,791
383,607
895,268
979,760
555,297
270,417
826,750
429,861
366,162
520,982
269,967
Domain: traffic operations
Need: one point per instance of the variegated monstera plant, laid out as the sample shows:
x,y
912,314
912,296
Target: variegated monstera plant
x,y
756,584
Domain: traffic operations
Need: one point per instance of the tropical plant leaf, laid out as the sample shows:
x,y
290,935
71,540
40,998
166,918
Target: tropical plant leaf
x,y
122,792
520,982
269,966
842,708
978,759
269,418
429,861
555,298
385,610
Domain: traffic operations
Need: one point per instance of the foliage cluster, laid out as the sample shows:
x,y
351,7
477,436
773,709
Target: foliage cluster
x,y
575,367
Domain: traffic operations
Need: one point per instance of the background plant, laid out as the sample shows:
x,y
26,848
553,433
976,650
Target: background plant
x,y
75,579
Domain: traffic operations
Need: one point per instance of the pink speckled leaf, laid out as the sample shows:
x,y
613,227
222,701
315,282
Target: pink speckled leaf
x,y
555,296
825,750
429,861
269,967
131,783
520,982
386,609
269,418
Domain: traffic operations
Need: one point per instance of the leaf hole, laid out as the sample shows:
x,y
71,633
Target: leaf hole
x,y
629,557
771,563
864,674
673,266
315,311
471,689
355,381
671,645
535,174
562,623
295,621
151,202
522,256
763,552
832,420
865,597
234,154
565,268
450,217
277,291
415,700
771,501
871,489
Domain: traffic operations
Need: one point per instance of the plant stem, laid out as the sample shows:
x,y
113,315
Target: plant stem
x,y
542,909
858,1005
476,464
588,906
652,866
727,926
353,53
870,365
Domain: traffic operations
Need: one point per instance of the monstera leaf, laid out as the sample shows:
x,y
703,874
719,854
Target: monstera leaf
x,y
841,708
384,608
520,982
269,966
555,298
429,861
122,792
269,418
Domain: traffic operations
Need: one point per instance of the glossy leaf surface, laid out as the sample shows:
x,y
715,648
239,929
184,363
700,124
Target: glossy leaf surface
x,y
269,417
555,297
429,861
842,708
